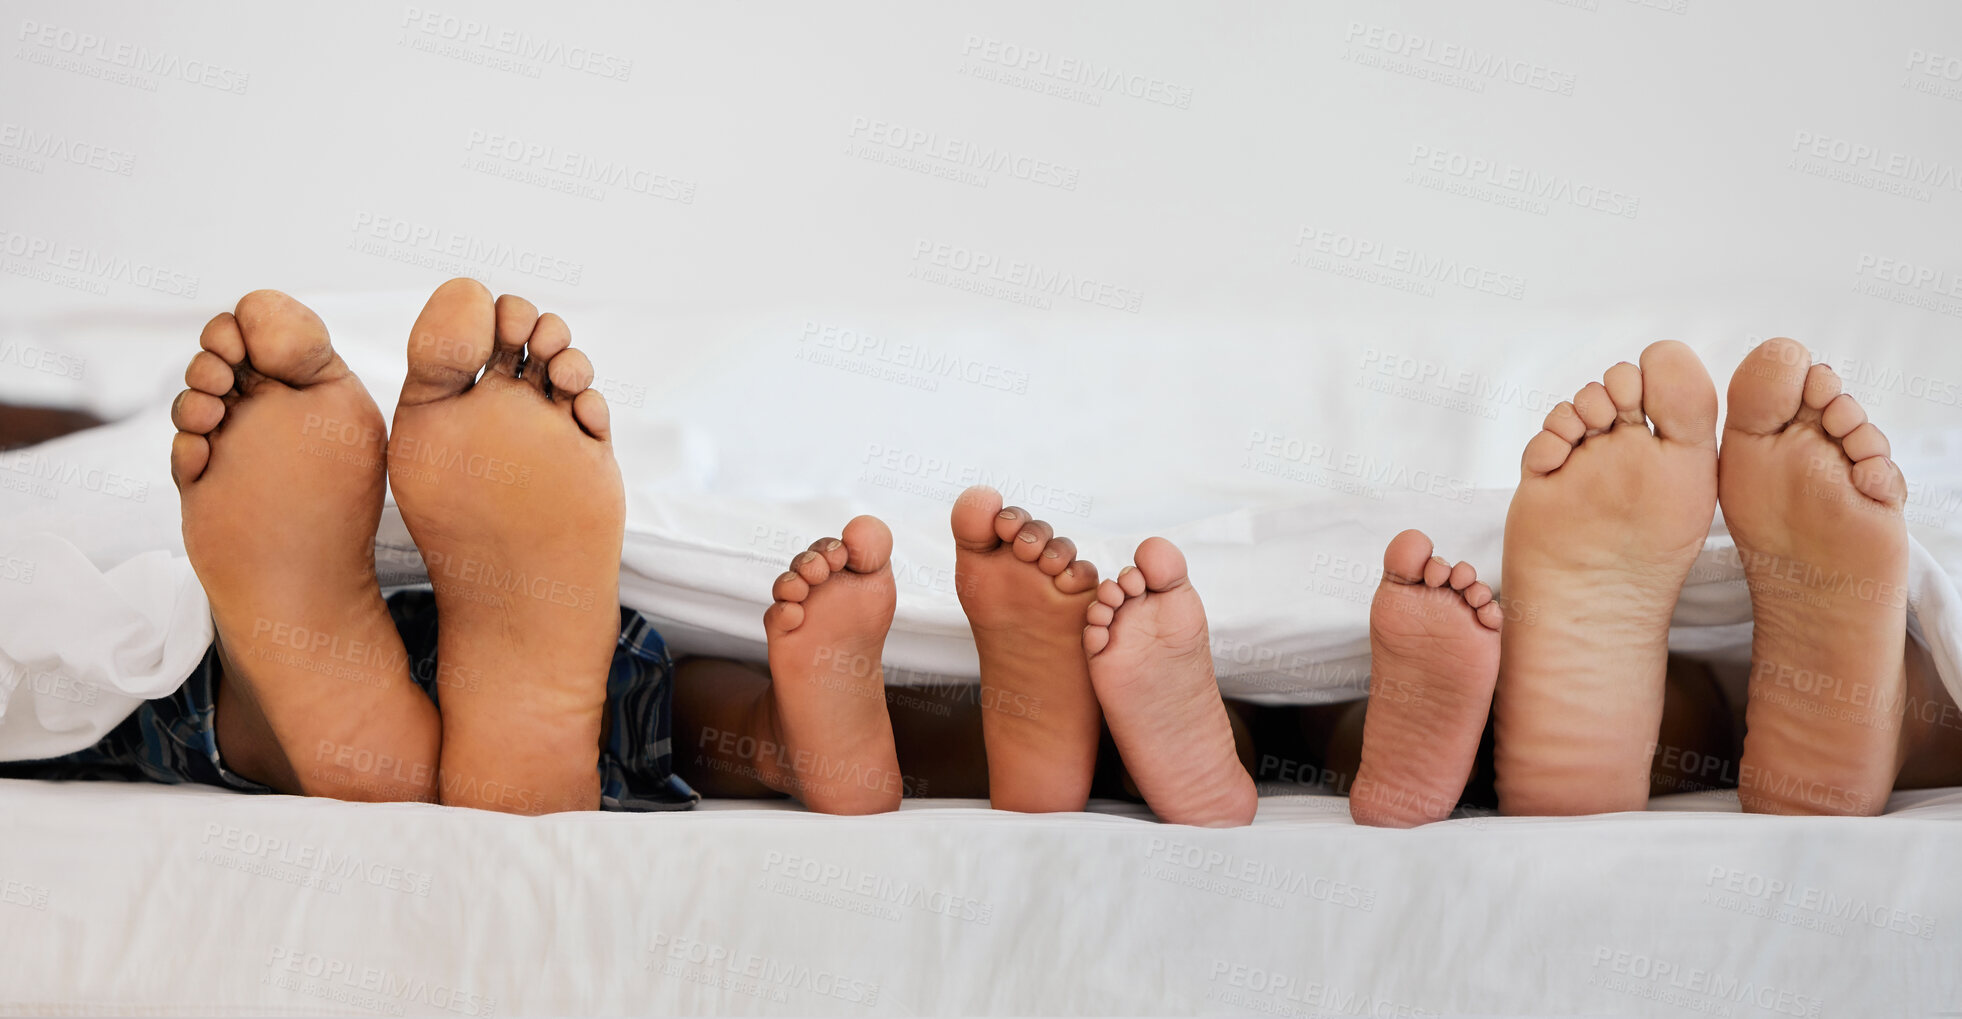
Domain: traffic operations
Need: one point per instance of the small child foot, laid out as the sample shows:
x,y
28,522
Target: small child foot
x,y
1151,662
1433,660
827,633
1025,593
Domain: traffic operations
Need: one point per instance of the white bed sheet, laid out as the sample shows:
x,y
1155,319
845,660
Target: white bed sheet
x,y
103,610
171,901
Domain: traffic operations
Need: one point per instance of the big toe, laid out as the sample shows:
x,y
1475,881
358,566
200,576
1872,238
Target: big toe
x,y
1769,386
283,339
975,513
1161,563
868,544
1407,555
1677,394
451,341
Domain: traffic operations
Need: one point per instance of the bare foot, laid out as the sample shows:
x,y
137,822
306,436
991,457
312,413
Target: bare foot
x,y
1603,529
827,708
1152,665
1433,660
508,485
278,461
1814,503
1025,593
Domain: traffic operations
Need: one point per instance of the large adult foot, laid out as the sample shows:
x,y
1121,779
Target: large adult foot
x,y
1152,665
1814,503
1025,593
278,461
1433,660
508,485
827,704
1603,529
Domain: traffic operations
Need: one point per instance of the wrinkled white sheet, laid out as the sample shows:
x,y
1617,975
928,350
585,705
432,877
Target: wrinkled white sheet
x,y
108,611
275,905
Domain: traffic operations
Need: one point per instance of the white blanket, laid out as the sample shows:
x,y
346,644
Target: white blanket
x,y
98,618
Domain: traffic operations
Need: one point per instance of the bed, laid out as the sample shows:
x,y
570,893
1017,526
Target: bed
x,y
1275,282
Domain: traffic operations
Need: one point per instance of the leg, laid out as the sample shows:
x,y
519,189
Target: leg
x,y
1816,507
1696,747
1603,529
1152,665
1931,734
278,462
1025,592
936,733
508,484
1433,660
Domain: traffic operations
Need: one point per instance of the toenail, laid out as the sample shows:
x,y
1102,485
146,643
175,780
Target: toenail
x,y
806,556
1028,537
1051,554
832,545
1007,514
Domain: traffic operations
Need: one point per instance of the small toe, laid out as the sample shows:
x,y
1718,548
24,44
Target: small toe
x,y
1489,615
221,337
1596,407
1109,593
515,319
1095,640
1099,614
1057,556
1404,558
1843,415
1624,385
1462,575
1821,385
1078,577
590,410
1563,420
1865,442
208,373
188,456
973,519
1030,540
789,587
1879,478
1160,563
549,338
1478,595
833,551
1436,572
196,412
1131,582
782,617
1008,523
810,566
570,371
1545,454
868,544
